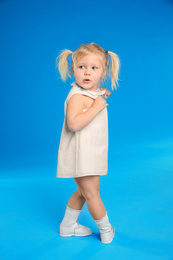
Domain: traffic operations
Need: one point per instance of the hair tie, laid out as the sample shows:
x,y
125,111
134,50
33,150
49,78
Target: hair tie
x,y
106,52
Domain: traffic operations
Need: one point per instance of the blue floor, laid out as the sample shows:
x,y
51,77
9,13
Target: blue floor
x,y
137,194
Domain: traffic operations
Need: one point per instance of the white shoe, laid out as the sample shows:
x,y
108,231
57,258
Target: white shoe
x,y
107,232
107,237
74,230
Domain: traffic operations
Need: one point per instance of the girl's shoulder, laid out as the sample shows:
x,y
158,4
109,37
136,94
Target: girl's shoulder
x,y
74,90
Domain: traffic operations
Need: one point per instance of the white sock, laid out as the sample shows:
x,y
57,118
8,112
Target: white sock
x,y
103,224
70,217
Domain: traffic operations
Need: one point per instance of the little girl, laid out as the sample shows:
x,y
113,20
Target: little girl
x,y
84,139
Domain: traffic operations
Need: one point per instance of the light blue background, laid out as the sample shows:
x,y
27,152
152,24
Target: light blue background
x,y
32,94
137,191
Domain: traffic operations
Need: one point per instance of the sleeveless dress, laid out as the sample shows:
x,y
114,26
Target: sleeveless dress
x,y
84,152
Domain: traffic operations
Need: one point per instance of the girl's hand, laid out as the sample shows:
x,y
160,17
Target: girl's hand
x,y
107,93
99,104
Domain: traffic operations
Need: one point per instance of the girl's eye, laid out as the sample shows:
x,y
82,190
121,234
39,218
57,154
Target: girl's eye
x,y
81,67
94,67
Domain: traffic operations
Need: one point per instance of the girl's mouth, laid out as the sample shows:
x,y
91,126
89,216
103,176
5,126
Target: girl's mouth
x,y
87,80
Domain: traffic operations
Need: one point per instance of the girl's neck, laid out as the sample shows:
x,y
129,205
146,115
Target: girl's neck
x,y
87,89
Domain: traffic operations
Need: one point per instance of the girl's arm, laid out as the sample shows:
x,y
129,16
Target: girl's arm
x,y
76,118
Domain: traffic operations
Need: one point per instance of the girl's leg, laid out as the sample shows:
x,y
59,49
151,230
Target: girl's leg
x,y
89,188
69,225
76,201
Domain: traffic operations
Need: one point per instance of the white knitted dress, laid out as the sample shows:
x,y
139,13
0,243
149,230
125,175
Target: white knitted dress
x,y
84,152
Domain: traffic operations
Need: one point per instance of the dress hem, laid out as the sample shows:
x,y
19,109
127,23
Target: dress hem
x,y
78,176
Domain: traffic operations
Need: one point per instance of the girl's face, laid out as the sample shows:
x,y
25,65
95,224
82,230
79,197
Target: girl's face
x,y
88,71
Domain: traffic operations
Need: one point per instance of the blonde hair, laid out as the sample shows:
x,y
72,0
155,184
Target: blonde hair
x,y
84,49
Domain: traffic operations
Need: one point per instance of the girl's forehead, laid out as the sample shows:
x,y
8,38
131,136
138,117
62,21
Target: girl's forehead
x,y
91,57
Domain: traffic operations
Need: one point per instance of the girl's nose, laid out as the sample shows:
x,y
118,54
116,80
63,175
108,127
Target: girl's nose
x,y
87,71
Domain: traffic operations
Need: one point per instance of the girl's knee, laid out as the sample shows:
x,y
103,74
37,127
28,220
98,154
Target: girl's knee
x,y
90,194
88,187
79,192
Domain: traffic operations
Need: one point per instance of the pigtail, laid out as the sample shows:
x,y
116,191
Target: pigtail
x,y
114,69
63,64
